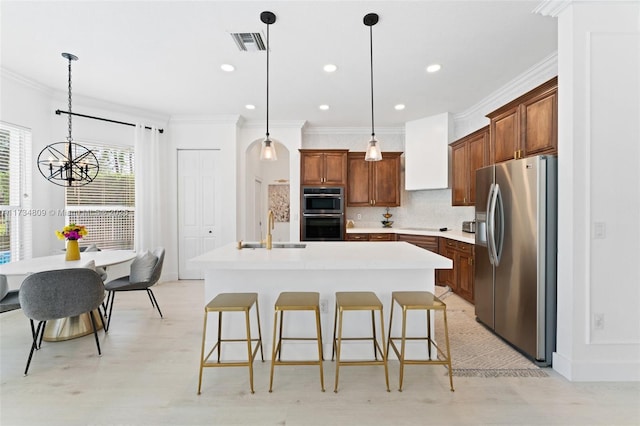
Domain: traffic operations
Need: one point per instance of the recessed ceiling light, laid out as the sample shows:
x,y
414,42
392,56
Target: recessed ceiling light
x,y
399,107
433,68
330,68
227,67
324,107
249,106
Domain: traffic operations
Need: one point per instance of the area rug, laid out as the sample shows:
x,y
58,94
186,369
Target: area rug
x,y
476,351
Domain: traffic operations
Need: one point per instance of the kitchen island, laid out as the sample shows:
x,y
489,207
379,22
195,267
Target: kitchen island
x,y
324,267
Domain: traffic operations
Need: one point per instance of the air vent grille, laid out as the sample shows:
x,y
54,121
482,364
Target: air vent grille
x,y
249,42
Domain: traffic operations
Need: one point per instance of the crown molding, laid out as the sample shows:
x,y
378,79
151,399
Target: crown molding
x,y
534,76
352,130
296,124
552,8
227,119
27,82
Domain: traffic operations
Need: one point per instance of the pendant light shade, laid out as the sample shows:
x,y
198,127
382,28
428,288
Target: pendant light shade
x,y
268,151
374,153
68,163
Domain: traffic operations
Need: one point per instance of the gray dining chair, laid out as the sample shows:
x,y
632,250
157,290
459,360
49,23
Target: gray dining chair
x,y
144,273
102,271
8,298
63,293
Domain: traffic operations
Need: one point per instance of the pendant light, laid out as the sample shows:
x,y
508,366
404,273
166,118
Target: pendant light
x,y
373,149
268,151
68,163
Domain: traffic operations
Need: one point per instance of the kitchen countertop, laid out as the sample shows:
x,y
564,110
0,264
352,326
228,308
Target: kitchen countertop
x,y
326,255
453,234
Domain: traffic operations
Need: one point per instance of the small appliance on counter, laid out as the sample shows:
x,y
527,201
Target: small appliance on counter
x,y
469,226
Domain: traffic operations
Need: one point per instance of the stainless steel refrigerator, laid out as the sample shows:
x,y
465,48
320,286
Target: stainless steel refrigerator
x,y
516,251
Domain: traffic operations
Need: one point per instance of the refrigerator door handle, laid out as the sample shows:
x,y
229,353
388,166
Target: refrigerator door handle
x,y
498,230
491,244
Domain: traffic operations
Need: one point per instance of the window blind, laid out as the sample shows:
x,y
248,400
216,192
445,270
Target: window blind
x,y
15,193
106,206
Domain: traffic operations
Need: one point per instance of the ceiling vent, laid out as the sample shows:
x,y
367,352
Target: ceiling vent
x,y
249,42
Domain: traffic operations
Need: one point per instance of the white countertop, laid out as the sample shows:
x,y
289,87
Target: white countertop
x,y
326,255
453,234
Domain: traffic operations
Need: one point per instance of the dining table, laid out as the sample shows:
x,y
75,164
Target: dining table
x,y
115,262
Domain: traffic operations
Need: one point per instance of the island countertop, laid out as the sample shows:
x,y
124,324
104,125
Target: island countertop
x,y
333,255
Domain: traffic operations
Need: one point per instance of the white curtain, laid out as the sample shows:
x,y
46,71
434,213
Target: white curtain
x,y
149,212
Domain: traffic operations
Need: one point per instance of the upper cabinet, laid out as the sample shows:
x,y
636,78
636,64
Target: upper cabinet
x,y
526,126
323,167
426,151
468,155
373,183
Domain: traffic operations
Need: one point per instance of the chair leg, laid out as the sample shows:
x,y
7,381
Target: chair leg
x,y
95,331
154,301
110,301
34,344
44,324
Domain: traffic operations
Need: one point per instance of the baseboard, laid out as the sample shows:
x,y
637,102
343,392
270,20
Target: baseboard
x,y
596,371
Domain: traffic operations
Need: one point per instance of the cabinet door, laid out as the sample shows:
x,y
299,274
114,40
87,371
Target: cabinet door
x,y
464,274
358,181
540,124
385,183
447,276
505,135
477,156
335,168
459,187
312,168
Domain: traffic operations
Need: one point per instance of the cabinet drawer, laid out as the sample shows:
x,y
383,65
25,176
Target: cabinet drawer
x,y
426,242
381,237
357,237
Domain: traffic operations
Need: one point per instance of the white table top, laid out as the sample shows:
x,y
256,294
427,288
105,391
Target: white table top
x,y
48,263
326,255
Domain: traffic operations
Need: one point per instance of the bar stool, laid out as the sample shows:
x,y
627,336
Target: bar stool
x,y
359,301
419,300
232,302
295,301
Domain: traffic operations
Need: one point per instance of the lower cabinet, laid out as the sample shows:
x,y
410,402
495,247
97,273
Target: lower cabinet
x,y
363,236
460,278
426,242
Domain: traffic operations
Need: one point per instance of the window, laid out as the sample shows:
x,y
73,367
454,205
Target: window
x,y
15,189
106,206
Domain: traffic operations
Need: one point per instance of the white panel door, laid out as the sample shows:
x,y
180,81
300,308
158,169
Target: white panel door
x,y
198,210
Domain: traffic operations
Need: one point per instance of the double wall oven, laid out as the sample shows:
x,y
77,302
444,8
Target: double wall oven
x,y
322,213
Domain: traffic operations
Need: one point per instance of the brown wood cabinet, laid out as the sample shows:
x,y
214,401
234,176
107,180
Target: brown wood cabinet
x,y
426,242
323,167
460,278
373,183
526,126
363,236
467,155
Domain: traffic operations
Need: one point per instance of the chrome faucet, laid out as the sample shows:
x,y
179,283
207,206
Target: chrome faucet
x,y
271,222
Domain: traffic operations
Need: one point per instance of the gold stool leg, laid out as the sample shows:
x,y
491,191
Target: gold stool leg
x,y
446,337
204,334
384,353
320,349
403,346
259,330
274,349
249,350
337,350
335,323
390,323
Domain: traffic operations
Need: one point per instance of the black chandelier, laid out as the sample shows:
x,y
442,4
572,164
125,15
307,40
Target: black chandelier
x,y
68,163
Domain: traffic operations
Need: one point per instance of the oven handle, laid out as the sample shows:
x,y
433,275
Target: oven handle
x,y
322,196
322,214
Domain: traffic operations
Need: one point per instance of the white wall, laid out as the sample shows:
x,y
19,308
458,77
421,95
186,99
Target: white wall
x,y
599,182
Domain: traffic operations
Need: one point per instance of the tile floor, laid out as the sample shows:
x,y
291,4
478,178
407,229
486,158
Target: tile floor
x,y
148,375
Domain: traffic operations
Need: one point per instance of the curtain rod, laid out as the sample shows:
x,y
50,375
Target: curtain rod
x,y
58,112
